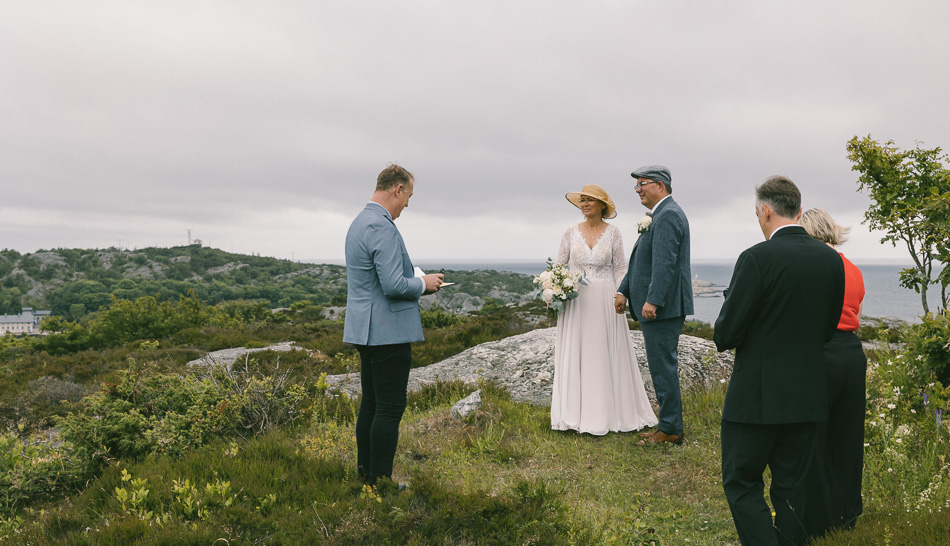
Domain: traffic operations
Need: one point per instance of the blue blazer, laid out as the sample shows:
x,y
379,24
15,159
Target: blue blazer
x,y
659,266
382,299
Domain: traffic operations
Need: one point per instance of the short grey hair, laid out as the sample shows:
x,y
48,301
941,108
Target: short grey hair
x,y
781,194
820,225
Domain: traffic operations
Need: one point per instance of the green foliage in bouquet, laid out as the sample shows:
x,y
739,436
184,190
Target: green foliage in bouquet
x,y
558,284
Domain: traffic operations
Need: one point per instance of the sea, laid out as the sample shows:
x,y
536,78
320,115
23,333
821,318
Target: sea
x,y
884,296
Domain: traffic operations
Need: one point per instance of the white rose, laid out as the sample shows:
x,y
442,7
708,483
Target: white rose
x,y
568,283
558,291
545,276
547,296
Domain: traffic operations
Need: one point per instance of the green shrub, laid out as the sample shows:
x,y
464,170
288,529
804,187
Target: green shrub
x,y
146,412
439,318
698,329
879,332
35,467
929,342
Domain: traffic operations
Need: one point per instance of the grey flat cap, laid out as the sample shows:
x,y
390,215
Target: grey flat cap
x,y
654,172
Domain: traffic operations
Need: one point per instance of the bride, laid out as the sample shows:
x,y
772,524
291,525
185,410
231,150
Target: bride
x,y
597,384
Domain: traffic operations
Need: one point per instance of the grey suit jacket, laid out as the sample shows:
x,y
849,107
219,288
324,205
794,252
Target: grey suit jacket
x,y
382,301
659,266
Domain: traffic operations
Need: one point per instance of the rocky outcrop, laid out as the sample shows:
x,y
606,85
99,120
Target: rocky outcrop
x,y
49,259
705,289
454,302
226,268
892,323
467,406
524,365
227,357
321,272
150,271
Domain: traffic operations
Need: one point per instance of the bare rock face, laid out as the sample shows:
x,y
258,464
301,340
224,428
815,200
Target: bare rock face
x,y
468,405
455,302
524,365
228,357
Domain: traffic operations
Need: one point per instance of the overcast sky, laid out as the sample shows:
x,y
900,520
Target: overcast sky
x,y
261,126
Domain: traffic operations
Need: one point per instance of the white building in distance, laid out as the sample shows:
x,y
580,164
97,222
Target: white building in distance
x,y
26,323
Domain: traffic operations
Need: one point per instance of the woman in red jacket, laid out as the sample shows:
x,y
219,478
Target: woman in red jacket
x,y
834,485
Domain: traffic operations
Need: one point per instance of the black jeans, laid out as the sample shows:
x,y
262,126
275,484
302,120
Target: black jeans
x,y
384,376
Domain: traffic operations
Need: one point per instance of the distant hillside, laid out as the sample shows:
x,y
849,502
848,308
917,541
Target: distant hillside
x,y
74,282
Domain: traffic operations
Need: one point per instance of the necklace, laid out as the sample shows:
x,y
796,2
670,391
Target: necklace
x,y
593,234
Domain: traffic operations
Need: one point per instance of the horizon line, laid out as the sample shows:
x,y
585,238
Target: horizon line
x,y
709,261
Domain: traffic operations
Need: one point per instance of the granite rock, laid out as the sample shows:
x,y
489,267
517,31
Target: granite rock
x,y
524,365
466,406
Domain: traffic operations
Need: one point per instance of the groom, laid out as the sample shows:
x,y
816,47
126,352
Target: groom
x,y
658,287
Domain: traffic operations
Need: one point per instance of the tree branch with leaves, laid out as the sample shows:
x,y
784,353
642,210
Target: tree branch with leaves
x,y
910,205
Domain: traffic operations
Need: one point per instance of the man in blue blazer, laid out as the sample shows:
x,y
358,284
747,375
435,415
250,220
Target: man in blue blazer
x,y
660,293
783,303
382,319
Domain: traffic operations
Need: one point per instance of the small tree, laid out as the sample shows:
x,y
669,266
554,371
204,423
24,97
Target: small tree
x,y
908,188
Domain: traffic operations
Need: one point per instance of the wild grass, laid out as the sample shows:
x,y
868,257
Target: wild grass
x,y
499,477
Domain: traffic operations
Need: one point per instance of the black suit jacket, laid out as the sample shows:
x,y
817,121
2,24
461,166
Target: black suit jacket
x,y
783,303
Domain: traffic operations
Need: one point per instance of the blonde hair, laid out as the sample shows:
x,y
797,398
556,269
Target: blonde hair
x,y
820,225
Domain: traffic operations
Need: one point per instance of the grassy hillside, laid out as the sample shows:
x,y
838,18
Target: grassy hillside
x,y
75,282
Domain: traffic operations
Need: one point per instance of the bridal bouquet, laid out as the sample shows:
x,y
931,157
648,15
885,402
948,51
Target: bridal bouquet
x,y
558,284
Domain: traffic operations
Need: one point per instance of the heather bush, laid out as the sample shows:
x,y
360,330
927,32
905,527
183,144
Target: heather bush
x,y
46,398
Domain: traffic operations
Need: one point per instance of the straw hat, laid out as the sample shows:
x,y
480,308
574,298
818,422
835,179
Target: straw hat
x,y
598,193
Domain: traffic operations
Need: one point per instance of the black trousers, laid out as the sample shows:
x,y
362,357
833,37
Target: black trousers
x,y
834,482
384,376
787,449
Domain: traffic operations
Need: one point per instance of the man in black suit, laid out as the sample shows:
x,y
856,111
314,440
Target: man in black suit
x,y
783,303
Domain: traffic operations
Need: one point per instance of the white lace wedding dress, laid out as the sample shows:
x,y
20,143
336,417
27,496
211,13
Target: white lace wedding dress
x,y
597,384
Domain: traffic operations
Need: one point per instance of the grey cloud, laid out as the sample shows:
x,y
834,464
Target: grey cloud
x,y
216,110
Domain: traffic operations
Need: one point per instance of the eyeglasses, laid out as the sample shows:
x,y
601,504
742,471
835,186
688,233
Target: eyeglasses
x,y
639,186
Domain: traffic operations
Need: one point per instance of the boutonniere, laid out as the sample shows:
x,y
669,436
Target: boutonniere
x,y
644,225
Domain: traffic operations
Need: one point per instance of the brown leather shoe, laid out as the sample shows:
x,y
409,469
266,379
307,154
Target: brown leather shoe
x,y
660,437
